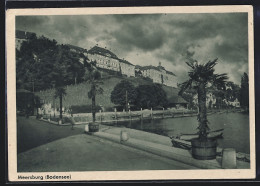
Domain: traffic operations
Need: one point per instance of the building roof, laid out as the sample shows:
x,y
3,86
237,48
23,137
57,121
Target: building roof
x,y
176,99
23,91
102,51
126,62
171,73
77,48
138,67
22,34
158,68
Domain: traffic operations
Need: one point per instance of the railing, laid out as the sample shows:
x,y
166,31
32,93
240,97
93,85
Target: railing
x,y
104,117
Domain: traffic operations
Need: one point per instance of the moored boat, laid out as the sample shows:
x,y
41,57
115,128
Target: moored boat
x,y
211,135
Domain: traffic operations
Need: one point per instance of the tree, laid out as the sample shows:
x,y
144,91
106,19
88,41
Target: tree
x,y
244,92
123,93
39,59
75,70
149,96
59,74
232,91
200,76
35,62
220,95
94,78
188,96
37,103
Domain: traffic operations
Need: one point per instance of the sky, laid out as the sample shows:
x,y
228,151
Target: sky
x,y
146,39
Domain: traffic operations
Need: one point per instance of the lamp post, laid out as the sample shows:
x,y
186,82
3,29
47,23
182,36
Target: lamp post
x,y
126,101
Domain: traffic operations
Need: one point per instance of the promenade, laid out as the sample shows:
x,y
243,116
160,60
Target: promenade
x,y
47,146
146,114
44,147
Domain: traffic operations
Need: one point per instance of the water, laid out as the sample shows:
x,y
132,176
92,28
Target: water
x,y
235,135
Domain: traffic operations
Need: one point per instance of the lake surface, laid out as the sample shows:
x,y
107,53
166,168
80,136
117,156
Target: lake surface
x,y
235,135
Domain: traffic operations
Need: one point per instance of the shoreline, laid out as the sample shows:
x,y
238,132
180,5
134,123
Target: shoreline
x,y
116,117
118,123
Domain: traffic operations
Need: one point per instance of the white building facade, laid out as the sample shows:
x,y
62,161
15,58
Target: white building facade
x,y
105,59
210,100
127,68
159,75
20,37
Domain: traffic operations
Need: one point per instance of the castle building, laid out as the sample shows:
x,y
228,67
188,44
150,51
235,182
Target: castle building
x,y
78,50
20,37
105,59
127,68
158,74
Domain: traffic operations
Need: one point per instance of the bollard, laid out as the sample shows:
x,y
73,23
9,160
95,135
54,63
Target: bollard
x,y
163,113
100,116
115,114
141,114
123,136
86,128
229,158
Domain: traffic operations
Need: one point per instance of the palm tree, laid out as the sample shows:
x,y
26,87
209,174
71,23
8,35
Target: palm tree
x,y
94,78
60,92
200,76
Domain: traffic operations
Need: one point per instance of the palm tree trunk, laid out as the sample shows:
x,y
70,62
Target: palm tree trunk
x,y
61,106
202,117
94,108
93,103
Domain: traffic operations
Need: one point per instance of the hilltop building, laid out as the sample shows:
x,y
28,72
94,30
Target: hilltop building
x,y
127,68
177,102
79,51
20,37
105,59
158,74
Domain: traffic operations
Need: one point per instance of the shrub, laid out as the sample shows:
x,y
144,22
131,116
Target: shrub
x,y
118,95
108,109
83,108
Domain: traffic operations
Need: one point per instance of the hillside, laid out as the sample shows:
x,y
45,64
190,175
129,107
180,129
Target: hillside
x,y
78,94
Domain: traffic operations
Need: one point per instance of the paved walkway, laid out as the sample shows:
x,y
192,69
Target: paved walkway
x,y
161,146
47,147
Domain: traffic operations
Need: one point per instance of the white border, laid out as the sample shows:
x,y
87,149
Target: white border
x,y
124,175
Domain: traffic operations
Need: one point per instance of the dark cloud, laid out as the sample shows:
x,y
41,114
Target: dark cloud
x,y
145,38
136,17
29,22
139,31
149,38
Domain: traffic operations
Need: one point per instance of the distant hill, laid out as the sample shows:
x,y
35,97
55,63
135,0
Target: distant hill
x,y
78,94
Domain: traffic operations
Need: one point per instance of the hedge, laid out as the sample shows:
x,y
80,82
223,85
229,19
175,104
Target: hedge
x,y
83,109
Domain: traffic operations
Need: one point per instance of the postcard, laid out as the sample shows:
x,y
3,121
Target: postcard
x,y
130,93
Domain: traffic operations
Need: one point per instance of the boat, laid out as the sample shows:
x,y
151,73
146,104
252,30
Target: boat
x,y
186,145
216,134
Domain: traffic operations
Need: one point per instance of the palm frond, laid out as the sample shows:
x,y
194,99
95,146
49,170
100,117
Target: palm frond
x,y
219,80
184,86
210,65
190,64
